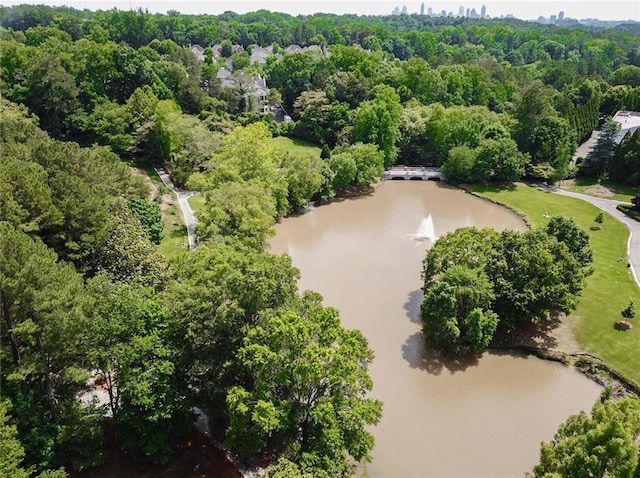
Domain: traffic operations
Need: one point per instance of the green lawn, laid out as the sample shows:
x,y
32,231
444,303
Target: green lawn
x,y
590,186
175,239
297,146
608,290
197,203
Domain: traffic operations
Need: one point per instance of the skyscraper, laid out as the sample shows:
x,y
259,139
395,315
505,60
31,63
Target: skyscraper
x,y
461,11
422,9
561,16
483,11
430,11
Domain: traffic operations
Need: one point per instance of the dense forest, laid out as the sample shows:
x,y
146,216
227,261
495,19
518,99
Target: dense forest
x,y
85,293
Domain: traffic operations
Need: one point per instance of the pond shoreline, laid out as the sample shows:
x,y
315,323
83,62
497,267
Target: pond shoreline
x,y
591,366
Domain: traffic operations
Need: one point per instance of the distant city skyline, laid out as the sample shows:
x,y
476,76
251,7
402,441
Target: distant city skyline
x,y
525,10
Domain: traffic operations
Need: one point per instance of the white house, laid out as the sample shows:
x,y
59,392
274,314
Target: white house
x,y
628,122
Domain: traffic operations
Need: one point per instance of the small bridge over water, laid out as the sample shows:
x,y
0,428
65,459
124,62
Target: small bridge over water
x,y
412,172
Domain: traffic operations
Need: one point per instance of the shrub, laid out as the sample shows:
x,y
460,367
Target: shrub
x,y
629,312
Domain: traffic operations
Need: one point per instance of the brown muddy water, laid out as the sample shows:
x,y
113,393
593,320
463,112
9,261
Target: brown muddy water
x,y
474,418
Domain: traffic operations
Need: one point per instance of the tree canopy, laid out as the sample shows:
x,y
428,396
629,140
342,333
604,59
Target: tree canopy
x,y
474,280
604,443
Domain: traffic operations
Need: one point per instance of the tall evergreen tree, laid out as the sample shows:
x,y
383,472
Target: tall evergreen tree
x,y
598,161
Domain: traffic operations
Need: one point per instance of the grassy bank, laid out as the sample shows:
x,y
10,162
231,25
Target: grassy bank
x,y
175,239
297,146
607,291
197,203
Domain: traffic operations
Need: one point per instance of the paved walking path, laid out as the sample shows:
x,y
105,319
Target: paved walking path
x,y
609,206
584,149
187,213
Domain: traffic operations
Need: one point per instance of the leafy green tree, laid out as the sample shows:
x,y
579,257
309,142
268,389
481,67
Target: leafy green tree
x,y
467,246
291,75
127,254
41,309
499,160
573,236
185,142
414,146
248,155
150,218
455,311
347,87
460,164
534,103
52,94
424,84
552,144
369,163
304,177
456,126
236,212
223,291
376,122
226,49
309,386
12,450
533,275
111,124
344,168
62,192
354,60
154,406
626,75
141,105
603,444
356,165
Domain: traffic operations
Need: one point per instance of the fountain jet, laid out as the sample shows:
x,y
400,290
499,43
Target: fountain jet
x,y
426,230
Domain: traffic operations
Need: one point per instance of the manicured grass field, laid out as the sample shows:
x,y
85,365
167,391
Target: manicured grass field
x,y
607,291
297,146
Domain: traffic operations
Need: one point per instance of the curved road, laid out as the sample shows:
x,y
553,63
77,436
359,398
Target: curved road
x,y
609,206
187,212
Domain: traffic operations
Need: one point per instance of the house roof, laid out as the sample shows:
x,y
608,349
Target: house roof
x,y
628,122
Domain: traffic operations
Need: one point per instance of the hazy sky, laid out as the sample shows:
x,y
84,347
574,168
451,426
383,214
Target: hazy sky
x,y
527,9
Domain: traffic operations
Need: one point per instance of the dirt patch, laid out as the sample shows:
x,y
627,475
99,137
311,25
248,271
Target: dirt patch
x,y
556,334
599,191
167,202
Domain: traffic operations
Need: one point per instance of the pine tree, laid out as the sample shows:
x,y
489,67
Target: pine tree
x,y
598,160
